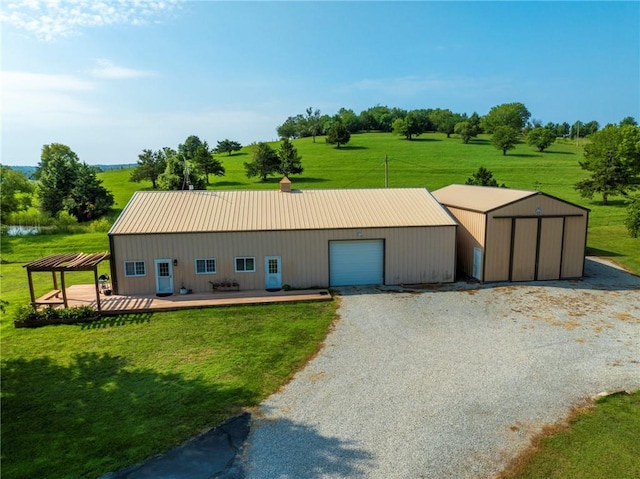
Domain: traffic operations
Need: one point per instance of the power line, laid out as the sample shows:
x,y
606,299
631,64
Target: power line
x,y
375,168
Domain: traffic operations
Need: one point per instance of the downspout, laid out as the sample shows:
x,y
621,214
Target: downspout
x,y
112,266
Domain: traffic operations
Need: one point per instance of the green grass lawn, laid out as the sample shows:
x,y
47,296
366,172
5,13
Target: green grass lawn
x,y
600,443
432,160
78,401
82,400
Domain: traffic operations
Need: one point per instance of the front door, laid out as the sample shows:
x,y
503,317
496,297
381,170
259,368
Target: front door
x,y
273,272
164,276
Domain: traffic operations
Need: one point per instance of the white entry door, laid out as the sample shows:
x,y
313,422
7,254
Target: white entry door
x,y
164,276
273,272
477,263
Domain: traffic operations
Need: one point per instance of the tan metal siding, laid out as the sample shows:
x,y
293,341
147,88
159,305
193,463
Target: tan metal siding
x,y
573,248
538,205
524,249
469,236
420,255
550,249
413,255
497,250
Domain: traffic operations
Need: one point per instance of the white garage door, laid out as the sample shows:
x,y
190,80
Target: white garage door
x,y
356,262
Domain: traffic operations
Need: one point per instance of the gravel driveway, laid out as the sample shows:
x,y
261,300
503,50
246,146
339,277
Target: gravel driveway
x,y
449,382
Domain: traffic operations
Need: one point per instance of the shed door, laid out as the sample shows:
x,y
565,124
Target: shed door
x,y
525,241
353,263
550,252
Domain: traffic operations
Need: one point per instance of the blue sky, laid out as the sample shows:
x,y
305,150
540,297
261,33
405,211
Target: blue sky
x,y
110,78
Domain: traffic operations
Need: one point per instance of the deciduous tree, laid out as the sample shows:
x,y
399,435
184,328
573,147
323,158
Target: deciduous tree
x,y
313,122
88,199
541,138
629,120
291,127
198,154
514,115
349,120
151,164
265,161
409,126
504,138
57,173
227,146
71,186
337,134
206,163
466,131
179,174
15,192
445,121
613,159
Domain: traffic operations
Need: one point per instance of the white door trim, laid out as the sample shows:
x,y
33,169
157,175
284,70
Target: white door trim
x,y
163,284
273,272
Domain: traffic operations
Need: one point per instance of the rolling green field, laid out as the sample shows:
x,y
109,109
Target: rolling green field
x,y
432,161
81,400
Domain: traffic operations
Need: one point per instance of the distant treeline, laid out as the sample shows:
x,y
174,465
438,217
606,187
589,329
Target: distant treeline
x,y
28,171
385,119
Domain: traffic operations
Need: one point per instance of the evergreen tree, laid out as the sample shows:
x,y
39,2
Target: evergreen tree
x,y
290,163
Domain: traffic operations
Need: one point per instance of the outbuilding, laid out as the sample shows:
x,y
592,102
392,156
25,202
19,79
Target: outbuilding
x,y
516,235
167,240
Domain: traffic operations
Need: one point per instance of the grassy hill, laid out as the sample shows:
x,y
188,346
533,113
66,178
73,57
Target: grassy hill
x,y
432,161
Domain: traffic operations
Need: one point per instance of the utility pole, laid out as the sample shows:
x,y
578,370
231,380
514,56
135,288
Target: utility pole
x,y
386,171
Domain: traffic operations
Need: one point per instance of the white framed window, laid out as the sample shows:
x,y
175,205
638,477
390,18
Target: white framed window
x,y
134,268
206,266
245,265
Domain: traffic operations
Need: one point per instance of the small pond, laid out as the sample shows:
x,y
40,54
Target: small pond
x,y
21,230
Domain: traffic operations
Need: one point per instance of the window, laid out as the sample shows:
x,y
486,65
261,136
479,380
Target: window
x,y
134,268
245,265
206,266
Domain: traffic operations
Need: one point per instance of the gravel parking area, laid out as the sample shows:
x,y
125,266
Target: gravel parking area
x,y
450,381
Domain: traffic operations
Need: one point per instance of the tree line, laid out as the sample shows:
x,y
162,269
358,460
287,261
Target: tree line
x,y
189,167
410,123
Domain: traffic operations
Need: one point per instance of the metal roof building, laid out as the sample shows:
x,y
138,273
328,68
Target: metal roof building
x,y
270,238
516,235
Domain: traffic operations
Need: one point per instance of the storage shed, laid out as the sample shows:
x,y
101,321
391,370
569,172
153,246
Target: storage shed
x,y
516,235
164,240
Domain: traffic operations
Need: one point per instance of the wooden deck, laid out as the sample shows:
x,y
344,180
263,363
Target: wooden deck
x,y
85,295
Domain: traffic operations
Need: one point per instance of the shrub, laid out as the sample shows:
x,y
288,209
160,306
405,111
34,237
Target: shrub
x,y
31,217
101,225
632,221
76,313
65,223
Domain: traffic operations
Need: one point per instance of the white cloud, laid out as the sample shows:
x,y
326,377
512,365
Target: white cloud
x,y
107,69
51,19
39,99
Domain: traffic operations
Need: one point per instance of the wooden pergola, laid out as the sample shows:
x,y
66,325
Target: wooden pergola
x,y
64,263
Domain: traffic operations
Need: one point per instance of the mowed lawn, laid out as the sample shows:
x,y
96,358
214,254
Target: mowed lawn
x,y
432,160
78,401
83,400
